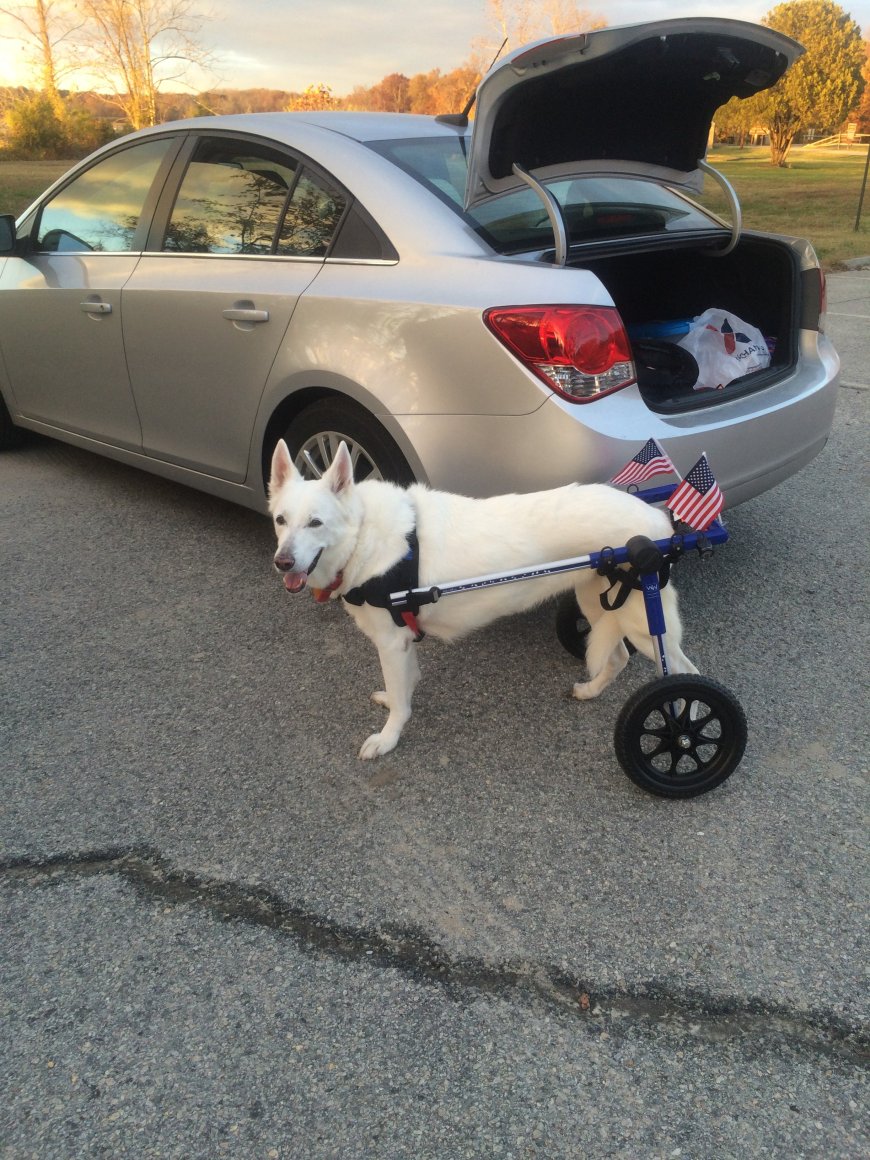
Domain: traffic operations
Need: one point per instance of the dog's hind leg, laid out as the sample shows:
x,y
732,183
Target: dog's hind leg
x,y
606,657
401,672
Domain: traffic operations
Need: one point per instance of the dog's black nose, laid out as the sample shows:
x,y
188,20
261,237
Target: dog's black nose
x,y
285,563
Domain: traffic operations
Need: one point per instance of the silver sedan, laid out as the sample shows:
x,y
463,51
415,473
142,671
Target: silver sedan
x,y
484,308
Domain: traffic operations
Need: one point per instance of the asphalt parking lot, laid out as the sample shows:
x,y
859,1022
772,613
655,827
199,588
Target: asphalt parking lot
x,y
222,934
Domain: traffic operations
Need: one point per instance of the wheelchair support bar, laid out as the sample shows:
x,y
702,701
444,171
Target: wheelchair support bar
x,y
679,542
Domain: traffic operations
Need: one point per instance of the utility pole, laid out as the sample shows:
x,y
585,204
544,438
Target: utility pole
x,y
863,188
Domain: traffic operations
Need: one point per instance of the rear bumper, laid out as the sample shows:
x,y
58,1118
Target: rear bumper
x,y
752,444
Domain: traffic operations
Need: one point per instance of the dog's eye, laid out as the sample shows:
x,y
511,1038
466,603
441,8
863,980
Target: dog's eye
x,y
315,523
280,521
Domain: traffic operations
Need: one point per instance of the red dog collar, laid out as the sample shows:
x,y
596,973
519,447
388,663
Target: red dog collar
x,y
321,595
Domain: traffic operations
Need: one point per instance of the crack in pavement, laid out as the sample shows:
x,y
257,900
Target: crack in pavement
x,y
651,1004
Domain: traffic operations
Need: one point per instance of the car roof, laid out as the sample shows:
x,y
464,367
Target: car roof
x,y
357,126
413,217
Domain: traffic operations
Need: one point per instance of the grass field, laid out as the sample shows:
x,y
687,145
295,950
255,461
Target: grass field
x,y
23,181
815,198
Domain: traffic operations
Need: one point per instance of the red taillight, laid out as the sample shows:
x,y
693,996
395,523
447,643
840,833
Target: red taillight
x,y
582,352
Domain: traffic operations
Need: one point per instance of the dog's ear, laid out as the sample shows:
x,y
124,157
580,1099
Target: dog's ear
x,y
340,474
283,467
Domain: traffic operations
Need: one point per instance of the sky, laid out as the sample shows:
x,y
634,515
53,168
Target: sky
x,y
290,44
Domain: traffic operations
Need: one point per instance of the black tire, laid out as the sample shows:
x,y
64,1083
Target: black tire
x,y
315,433
572,627
680,736
10,435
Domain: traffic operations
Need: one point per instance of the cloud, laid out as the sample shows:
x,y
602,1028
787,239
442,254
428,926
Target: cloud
x,y
292,45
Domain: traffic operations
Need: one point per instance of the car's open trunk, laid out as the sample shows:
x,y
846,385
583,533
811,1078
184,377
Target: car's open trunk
x,y
759,281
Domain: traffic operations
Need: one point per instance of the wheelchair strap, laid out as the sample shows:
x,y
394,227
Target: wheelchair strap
x,y
626,580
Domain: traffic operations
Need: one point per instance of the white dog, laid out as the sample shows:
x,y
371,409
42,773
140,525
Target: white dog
x,y
335,535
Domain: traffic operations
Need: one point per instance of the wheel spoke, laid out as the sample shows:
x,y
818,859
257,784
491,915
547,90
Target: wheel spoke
x,y
660,745
308,462
324,446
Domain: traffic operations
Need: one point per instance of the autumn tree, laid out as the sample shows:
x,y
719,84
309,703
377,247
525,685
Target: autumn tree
x,y
34,128
391,94
735,119
861,114
136,45
435,92
314,99
821,86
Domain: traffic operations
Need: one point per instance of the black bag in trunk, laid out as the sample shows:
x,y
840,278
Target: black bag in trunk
x,y
664,367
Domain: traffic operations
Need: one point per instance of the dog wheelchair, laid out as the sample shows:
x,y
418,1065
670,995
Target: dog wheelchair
x,y
678,736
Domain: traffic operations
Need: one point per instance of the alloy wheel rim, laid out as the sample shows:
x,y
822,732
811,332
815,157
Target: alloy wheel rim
x,y
317,453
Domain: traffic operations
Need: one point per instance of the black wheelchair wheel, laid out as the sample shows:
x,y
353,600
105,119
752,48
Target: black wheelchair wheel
x,y
572,627
680,736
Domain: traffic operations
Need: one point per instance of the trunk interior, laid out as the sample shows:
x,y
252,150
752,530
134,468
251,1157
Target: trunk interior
x,y
758,282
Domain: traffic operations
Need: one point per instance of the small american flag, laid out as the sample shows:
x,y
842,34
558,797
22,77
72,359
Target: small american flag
x,y
649,461
698,500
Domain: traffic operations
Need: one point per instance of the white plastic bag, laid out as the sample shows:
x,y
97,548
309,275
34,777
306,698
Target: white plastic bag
x,y
725,348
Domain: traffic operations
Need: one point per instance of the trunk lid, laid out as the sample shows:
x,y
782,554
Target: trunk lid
x,y
637,99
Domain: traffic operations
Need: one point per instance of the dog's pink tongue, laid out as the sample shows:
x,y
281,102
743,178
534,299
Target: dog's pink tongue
x,y
295,581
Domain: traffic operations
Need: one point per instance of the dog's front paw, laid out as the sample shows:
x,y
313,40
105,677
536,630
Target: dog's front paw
x,y
377,745
584,691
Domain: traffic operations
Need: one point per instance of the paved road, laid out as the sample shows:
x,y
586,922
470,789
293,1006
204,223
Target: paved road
x,y
224,935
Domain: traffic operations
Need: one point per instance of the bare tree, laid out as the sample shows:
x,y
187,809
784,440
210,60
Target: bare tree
x,y
134,46
46,27
520,21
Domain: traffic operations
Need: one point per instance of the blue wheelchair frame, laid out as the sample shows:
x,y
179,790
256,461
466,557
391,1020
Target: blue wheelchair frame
x,y
646,555
680,735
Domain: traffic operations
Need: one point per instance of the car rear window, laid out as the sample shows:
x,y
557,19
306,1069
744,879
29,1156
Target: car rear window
x,y
594,207
248,199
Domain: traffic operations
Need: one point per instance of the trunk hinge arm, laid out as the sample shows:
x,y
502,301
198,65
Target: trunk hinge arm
x,y
554,213
733,204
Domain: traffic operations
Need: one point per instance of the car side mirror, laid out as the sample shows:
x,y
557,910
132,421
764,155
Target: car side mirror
x,y
7,233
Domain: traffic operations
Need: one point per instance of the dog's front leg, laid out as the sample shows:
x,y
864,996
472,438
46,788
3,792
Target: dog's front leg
x,y
401,672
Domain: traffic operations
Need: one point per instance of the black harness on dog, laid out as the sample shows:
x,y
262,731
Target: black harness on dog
x,y
402,577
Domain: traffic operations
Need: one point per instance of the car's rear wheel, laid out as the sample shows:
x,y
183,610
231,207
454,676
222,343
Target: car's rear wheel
x,y
315,434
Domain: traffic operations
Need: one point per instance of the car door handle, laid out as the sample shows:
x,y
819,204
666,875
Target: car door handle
x,y
238,314
96,307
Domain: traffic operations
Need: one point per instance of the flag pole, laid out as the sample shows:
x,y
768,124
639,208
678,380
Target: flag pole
x,y
673,465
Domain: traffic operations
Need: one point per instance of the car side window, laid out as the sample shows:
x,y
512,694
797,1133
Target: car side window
x,y
99,210
315,209
231,200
